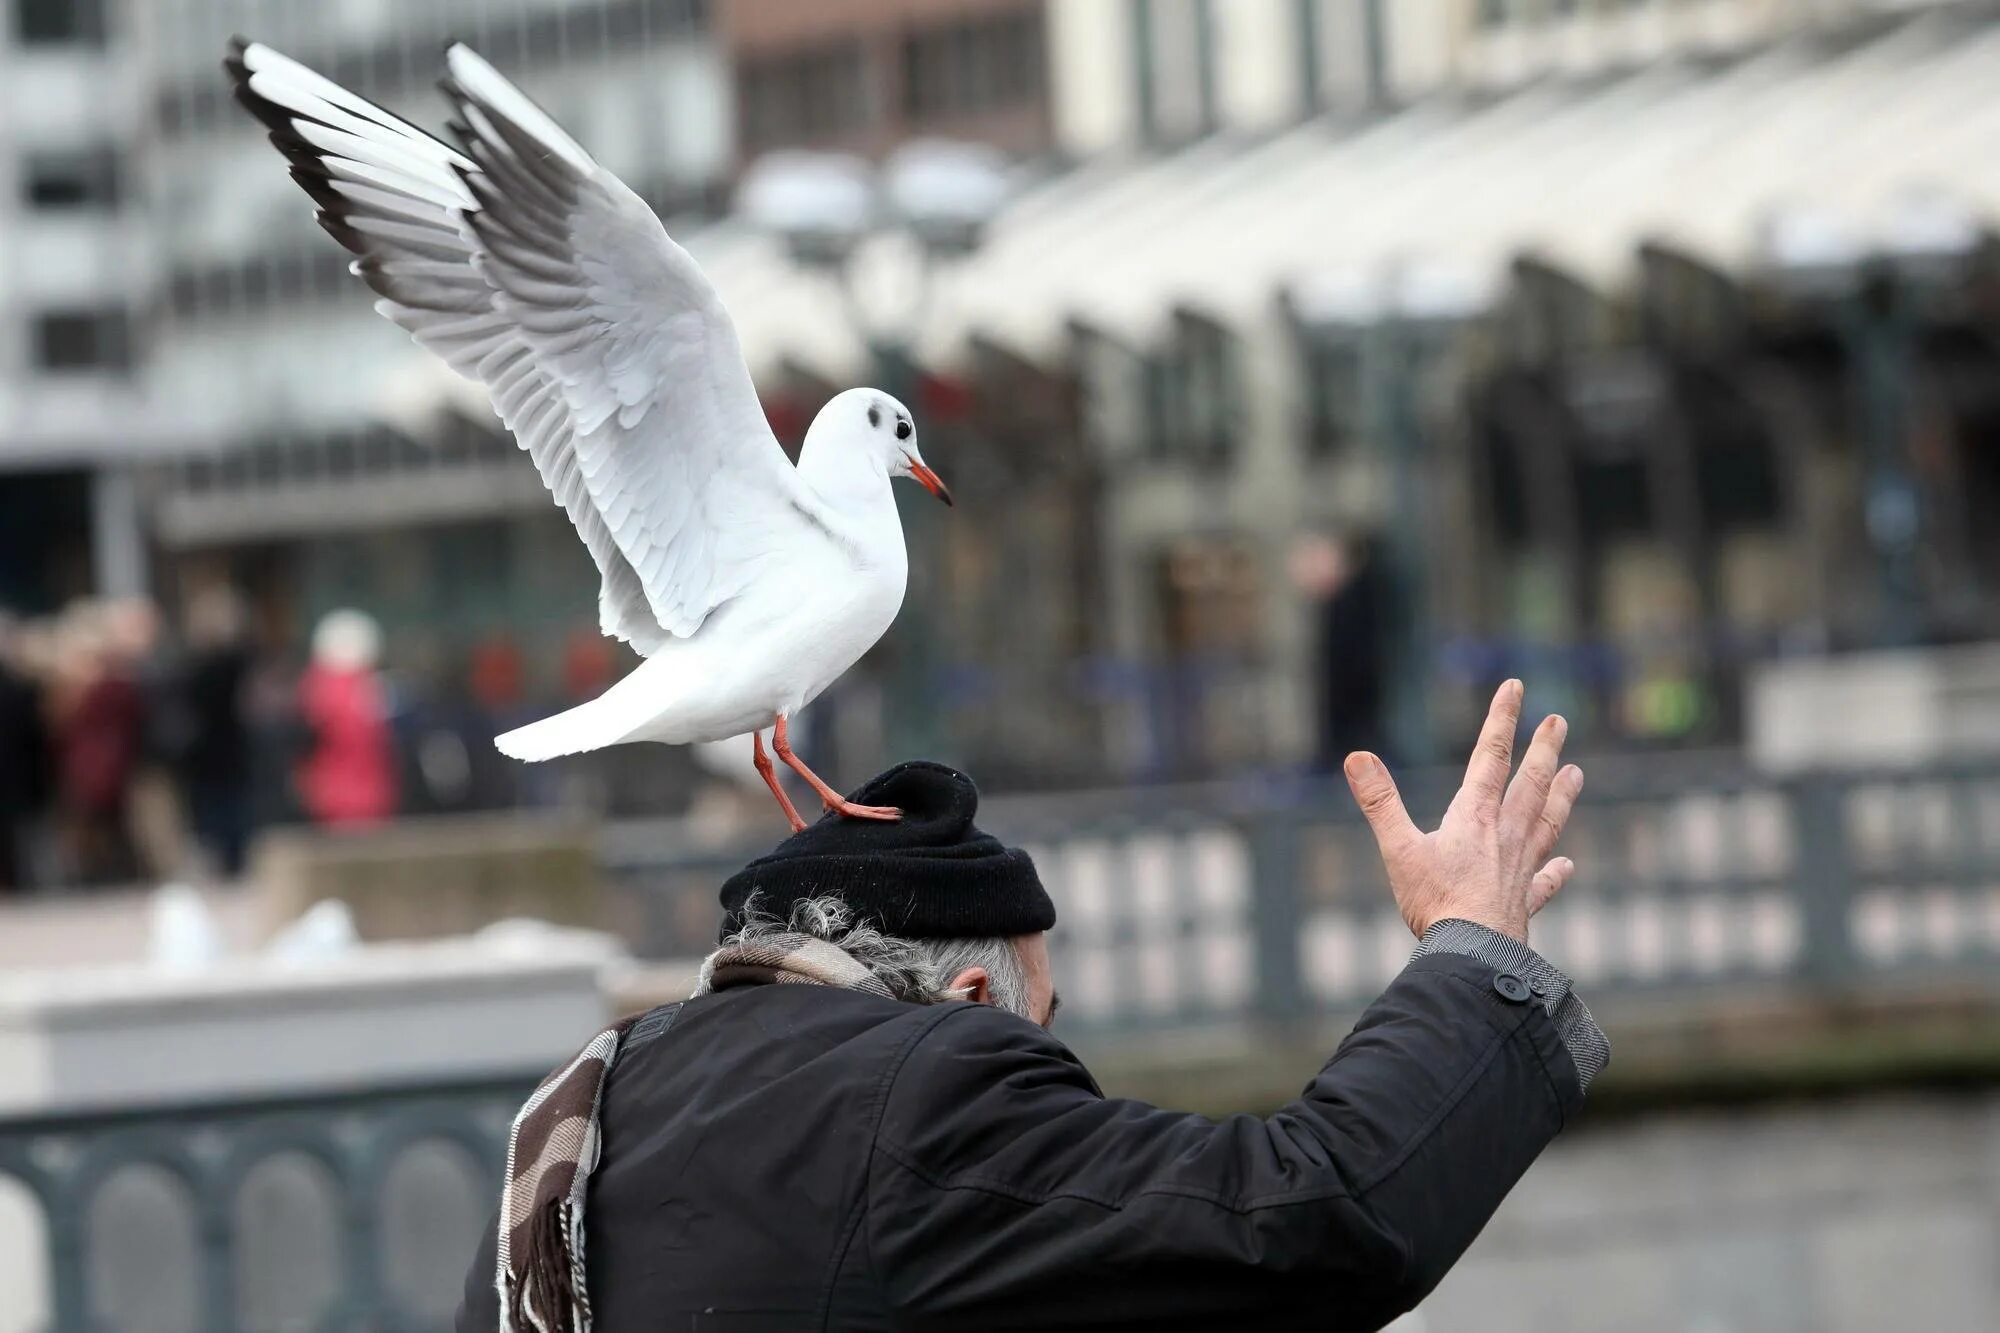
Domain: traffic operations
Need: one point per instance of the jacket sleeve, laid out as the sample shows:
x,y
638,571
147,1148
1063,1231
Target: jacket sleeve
x,y
1006,1191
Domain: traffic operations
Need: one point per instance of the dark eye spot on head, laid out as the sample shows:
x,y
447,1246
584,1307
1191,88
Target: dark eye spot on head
x,y
903,428
874,415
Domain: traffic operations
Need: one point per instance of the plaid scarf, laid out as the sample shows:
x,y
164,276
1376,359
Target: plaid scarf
x,y
553,1146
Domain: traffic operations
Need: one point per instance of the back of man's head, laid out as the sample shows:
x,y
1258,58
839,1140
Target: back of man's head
x,y
933,907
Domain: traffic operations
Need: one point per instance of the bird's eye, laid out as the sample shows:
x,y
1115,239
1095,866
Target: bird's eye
x,y
902,430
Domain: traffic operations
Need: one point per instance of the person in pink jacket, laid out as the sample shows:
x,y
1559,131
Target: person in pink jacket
x,y
348,777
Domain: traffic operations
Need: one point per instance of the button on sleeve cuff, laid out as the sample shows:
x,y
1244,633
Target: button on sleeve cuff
x,y
1523,967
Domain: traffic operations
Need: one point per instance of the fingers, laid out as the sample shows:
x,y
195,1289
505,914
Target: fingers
x,y
1554,817
1528,794
1381,804
1486,775
1548,882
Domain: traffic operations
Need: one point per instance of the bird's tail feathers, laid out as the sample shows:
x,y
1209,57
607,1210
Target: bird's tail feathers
x,y
590,726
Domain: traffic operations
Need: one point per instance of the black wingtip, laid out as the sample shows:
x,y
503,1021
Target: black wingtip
x,y
314,180
274,117
350,240
233,61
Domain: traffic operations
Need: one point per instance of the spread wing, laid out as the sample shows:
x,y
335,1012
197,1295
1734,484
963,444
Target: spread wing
x,y
532,269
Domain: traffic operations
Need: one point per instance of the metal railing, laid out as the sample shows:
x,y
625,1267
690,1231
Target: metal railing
x,y
1265,902
330,1211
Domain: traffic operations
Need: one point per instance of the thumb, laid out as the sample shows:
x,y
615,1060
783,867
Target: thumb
x,y
1381,804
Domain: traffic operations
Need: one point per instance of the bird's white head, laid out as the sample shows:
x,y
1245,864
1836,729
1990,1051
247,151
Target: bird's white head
x,y
874,425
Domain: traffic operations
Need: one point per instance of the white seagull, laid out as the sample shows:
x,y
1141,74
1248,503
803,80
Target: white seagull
x,y
747,584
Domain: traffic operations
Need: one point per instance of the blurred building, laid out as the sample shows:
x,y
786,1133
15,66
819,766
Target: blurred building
x,y
71,255
192,366
1638,341
310,475
1643,341
1151,72
866,75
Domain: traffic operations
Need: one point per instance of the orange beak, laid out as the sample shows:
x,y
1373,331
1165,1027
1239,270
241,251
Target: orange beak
x,y
930,481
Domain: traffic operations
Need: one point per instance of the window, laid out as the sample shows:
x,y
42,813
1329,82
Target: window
x,y
1174,51
1552,315
805,97
1194,392
1209,599
58,22
1306,44
1210,594
83,340
87,179
977,66
1114,384
1333,388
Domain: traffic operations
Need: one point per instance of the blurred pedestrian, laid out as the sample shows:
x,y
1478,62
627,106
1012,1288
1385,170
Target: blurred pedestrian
x,y
348,775
156,822
26,779
1345,583
97,720
214,760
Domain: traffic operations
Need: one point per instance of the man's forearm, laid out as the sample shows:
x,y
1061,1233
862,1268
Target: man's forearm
x,y
1586,1043
1445,1093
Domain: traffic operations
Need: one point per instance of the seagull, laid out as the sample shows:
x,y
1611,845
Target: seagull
x,y
748,585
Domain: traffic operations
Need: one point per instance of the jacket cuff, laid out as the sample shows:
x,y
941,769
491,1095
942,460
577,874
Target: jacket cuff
x,y
1588,1048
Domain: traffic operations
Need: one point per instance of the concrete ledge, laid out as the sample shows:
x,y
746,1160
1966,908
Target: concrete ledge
x,y
1724,1050
432,877
1716,1049
121,1036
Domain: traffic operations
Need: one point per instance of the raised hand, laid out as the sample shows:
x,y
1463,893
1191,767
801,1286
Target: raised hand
x,y
1480,864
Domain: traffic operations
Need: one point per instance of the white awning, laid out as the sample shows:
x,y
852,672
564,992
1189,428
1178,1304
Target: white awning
x,y
1877,141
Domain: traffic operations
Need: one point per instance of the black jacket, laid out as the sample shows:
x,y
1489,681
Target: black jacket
x,y
793,1157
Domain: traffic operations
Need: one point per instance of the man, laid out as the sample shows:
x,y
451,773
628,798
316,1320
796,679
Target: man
x,y
825,1138
213,755
1347,582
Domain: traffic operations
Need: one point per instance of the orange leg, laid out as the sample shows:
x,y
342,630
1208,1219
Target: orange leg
x,y
781,742
770,776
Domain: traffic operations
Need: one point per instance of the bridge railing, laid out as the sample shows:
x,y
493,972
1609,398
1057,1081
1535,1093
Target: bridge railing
x,y
333,1211
1265,902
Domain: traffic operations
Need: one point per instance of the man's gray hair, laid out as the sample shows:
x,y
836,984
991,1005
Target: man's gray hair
x,y
920,971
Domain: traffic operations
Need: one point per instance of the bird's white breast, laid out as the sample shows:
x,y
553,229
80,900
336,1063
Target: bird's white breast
x,y
843,605
814,609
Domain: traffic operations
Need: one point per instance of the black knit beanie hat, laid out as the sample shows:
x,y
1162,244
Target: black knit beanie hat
x,y
933,874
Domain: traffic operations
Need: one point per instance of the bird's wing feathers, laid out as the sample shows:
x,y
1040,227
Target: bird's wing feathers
x,y
668,430
530,268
